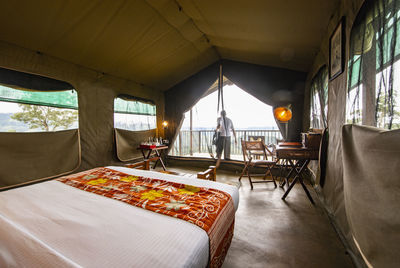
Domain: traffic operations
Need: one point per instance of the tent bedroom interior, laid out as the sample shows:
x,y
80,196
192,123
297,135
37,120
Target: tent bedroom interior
x,y
336,57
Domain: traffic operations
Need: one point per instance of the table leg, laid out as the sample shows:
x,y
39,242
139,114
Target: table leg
x,y
286,180
306,190
144,156
148,154
159,159
299,178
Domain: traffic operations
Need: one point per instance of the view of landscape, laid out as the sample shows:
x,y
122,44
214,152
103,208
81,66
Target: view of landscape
x,y
250,116
134,121
16,117
246,111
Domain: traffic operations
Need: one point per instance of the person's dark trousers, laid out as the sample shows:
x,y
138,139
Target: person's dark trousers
x,y
224,144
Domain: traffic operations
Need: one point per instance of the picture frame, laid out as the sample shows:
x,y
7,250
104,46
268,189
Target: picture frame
x,y
337,50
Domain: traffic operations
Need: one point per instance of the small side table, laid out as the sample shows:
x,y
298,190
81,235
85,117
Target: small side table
x,y
148,150
298,158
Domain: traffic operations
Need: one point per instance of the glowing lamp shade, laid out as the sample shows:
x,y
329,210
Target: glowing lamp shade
x,y
282,114
165,124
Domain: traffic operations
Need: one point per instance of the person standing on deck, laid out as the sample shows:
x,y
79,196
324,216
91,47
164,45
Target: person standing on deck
x,y
224,127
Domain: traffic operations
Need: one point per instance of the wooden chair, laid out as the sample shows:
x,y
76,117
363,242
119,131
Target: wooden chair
x,y
256,154
210,174
249,162
257,138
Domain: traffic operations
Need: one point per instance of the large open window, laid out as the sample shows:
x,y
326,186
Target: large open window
x,y
135,114
251,119
31,103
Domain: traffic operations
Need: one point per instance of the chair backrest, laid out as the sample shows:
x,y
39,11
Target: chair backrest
x,y
270,147
253,146
257,138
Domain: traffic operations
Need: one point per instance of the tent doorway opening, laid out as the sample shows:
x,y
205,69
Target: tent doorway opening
x,y
252,119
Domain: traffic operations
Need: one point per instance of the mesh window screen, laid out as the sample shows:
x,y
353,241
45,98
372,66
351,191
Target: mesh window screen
x,y
319,99
60,99
130,105
33,103
131,113
374,69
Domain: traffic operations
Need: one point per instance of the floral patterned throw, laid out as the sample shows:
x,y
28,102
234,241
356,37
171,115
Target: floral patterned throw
x,y
210,209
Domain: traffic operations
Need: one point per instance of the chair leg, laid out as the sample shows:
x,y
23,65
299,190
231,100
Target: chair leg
x,y
243,171
269,171
248,175
272,175
273,178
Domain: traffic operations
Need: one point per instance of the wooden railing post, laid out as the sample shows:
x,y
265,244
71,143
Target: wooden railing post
x,y
180,143
185,143
191,133
199,141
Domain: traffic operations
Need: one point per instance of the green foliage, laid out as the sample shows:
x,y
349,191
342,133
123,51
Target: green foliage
x,y
383,111
45,118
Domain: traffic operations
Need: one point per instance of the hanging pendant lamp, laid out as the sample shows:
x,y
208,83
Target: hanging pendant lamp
x,y
283,114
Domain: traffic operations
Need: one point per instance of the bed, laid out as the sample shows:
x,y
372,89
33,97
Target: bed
x,y
51,224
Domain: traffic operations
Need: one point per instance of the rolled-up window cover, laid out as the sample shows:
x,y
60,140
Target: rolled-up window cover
x,y
27,88
126,104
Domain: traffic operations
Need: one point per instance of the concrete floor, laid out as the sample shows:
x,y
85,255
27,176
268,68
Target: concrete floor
x,y
270,232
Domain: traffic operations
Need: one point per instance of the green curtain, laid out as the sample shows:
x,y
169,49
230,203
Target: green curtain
x,y
131,105
319,99
60,99
374,69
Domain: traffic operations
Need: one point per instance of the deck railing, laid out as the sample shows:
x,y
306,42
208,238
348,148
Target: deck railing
x,y
199,141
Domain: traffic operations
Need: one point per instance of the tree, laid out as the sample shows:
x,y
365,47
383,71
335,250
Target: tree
x,y
45,118
383,116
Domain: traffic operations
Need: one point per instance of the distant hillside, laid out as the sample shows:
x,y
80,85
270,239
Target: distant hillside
x,y
9,125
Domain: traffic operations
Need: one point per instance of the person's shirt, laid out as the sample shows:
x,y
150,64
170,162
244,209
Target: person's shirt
x,y
229,126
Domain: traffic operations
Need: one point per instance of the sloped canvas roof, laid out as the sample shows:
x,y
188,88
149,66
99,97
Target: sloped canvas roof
x,y
159,43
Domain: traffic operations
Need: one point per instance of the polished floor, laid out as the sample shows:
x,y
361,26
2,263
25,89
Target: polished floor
x,y
270,232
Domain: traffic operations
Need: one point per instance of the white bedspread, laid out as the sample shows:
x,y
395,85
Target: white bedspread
x,y
51,224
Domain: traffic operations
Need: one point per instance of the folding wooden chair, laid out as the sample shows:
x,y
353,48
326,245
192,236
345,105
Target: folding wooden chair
x,y
257,146
256,154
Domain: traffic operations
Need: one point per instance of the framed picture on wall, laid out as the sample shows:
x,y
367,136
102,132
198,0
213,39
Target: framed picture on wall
x,y
336,50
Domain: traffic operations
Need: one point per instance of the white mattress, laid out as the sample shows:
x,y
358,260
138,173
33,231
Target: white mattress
x,y
51,224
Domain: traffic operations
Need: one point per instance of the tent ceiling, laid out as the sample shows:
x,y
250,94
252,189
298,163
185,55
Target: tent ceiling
x,y
161,42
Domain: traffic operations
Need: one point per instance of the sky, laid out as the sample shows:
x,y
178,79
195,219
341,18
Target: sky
x,y
242,108
9,107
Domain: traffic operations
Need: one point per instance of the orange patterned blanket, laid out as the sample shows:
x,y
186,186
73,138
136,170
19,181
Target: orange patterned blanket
x,y
210,209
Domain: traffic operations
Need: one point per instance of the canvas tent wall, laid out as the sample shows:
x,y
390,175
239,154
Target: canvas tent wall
x,y
96,93
338,195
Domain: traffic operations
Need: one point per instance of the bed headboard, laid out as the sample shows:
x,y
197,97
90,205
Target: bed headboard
x,y
35,156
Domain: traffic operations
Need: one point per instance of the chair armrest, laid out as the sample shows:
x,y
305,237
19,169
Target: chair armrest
x,y
210,174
